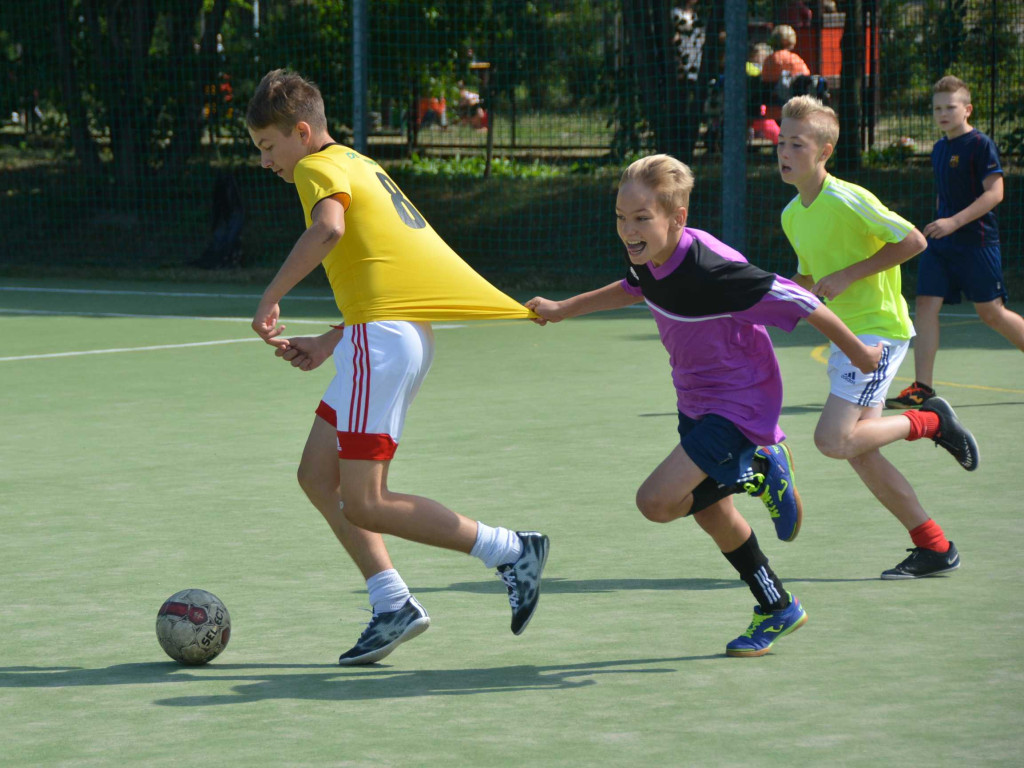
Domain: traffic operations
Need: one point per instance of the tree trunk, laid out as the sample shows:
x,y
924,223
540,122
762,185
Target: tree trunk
x,y
851,87
648,30
78,121
196,73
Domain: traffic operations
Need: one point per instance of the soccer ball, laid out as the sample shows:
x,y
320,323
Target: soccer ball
x,y
193,626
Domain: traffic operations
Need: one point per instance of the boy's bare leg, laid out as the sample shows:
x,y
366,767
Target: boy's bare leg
x,y
844,427
996,316
724,523
891,488
519,557
370,505
926,343
846,430
667,494
318,476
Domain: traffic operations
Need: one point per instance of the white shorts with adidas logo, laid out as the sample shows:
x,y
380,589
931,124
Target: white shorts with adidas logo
x,y
866,389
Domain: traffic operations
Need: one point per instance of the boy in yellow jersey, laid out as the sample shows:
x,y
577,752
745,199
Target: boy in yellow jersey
x,y
849,249
391,275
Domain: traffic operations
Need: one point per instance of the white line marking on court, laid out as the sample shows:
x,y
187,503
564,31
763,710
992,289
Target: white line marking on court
x,y
177,295
124,349
245,320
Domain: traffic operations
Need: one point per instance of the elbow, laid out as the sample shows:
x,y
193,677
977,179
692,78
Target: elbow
x,y
331,234
918,243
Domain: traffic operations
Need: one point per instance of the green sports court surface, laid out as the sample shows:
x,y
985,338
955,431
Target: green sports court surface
x,y
149,444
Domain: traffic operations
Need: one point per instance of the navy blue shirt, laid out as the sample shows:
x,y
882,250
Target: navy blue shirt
x,y
960,165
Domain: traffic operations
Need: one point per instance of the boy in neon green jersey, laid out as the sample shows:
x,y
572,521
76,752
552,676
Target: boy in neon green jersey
x,y
849,247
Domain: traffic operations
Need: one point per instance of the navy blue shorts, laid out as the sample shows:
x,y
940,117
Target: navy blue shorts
x,y
947,270
717,446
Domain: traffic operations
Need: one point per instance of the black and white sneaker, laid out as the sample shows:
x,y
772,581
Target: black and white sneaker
x,y
385,632
925,562
952,435
522,578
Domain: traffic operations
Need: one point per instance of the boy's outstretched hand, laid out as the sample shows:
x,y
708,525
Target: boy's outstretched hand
x,y
303,352
547,311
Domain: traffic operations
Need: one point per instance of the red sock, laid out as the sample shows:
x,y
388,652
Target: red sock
x,y
922,424
929,535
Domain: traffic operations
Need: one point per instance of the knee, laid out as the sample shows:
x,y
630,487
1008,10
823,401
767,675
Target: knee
x,y
990,314
833,446
360,512
655,509
310,481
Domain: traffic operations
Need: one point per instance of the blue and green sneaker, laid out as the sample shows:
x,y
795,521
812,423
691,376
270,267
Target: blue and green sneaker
x,y
778,489
766,627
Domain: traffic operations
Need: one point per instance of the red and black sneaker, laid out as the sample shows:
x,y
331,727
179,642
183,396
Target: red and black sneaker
x,y
913,396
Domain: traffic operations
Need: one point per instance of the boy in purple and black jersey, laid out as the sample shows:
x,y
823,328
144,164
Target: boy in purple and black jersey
x,y
711,307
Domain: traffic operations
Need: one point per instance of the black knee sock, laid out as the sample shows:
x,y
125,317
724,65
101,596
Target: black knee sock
x,y
709,491
753,568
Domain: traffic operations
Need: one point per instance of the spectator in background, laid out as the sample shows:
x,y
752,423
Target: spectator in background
x,y
796,14
783,65
469,108
761,126
688,40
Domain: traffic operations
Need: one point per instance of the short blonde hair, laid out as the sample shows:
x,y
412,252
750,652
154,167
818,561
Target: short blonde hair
x,y
669,179
954,85
822,120
782,36
283,99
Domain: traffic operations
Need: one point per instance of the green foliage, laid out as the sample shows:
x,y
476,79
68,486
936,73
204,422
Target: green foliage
x,y
896,154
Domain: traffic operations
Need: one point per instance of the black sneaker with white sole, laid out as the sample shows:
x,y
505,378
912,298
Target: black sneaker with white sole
x,y
925,562
952,435
385,632
522,578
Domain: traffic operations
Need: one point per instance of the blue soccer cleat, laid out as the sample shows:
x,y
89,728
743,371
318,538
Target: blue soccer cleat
x,y
778,489
766,627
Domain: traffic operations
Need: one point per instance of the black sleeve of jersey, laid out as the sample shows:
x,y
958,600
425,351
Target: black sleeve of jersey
x,y
704,284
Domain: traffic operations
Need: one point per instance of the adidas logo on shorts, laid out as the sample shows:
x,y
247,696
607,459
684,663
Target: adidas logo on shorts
x,y
849,376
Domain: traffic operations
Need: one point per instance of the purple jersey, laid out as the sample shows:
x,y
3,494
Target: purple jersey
x,y
960,167
711,307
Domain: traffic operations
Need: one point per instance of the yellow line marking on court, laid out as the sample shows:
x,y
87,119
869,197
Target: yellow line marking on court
x,y
820,353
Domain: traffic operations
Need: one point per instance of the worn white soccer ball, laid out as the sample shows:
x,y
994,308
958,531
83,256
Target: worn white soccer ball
x,y
193,626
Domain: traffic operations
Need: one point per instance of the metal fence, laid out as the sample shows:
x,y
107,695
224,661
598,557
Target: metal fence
x,y
124,150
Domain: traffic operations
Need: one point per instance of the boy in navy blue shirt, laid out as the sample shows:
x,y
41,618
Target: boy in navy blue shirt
x,y
963,242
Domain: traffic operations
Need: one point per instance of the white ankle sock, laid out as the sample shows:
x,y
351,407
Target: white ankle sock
x,y
387,591
496,546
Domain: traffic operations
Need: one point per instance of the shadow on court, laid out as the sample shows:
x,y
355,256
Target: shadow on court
x,y
326,682
585,586
558,586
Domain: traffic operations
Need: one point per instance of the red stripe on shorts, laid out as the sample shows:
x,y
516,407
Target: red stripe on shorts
x,y
328,414
357,446
366,387
357,419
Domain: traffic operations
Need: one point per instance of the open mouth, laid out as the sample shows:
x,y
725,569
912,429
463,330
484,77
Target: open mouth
x,y
635,248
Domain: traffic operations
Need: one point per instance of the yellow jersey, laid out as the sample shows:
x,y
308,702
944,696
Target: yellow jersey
x,y
391,264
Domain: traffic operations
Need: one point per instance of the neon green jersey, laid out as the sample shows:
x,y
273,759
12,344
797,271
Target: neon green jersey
x,y
844,225
390,264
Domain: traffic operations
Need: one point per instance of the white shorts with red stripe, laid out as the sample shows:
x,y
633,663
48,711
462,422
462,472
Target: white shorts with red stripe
x,y
380,367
